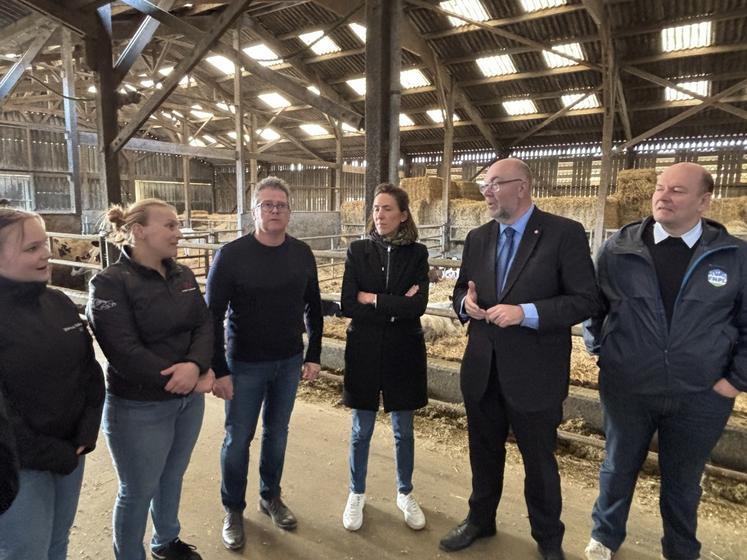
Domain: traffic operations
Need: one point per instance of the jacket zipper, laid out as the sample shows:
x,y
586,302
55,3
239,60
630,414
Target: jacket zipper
x,y
388,255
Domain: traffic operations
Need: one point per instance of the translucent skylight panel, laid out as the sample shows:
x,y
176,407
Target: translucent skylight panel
x,y
472,9
349,129
263,54
405,120
413,79
519,107
572,49
314,90
325,45
91,89
682,37
700,87
198,112
196,142
498,65
221,63
359,30
537,5
437,116
269,134
274,100
591,102
314,129
358,85
226,107
209,139
231,134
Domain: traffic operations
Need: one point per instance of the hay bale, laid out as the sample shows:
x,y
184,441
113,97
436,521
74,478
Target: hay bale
x,y
581,208
633,192
352,212
468,190
726,210
737,227
423,188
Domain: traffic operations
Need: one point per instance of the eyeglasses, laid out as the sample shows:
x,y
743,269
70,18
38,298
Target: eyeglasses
x,y
267,207
496,185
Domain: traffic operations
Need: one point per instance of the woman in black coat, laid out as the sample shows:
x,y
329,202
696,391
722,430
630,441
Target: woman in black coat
x,y
384,292
53,391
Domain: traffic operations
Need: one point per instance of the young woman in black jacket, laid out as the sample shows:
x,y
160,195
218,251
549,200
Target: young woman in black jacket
x,y
154,327
385,291
53,390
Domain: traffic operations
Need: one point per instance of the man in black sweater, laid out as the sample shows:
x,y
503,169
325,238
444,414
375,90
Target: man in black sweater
x,y
672,346
267,281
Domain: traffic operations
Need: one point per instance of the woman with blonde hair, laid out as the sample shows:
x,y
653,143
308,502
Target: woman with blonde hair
x,y
53,391
154,327
384,292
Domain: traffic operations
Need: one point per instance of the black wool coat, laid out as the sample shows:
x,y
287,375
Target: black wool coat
x,y
385,350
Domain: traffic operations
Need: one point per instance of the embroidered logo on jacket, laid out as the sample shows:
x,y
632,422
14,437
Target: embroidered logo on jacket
x,y
102,304
717,278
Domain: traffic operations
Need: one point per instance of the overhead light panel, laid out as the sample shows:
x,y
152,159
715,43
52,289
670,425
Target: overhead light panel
x,y
571,49
699,87
221,63
472,9
414,78
358,85
537,5
319,43
591,102
314,129
263,54
519,107
274,100
498,65
437,116
359,30
683,37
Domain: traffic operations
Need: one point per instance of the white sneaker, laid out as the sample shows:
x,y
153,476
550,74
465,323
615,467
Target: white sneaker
x,y
414,516
352,517
597,551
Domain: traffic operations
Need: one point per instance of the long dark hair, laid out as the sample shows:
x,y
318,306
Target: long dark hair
x,y
408,227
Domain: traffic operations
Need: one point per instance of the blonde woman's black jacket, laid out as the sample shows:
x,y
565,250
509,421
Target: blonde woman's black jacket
x,y
8,459
52,384
146,323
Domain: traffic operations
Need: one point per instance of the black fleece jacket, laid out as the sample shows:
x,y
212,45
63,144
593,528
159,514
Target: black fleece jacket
x,y
146,323
53,386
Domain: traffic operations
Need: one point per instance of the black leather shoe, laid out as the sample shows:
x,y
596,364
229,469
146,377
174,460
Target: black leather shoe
x,y
553,554
464,534
233,530
281,516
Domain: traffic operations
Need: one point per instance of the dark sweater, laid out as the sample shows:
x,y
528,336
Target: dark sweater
x,y
146,323
271,295
671,258
52,384
8,460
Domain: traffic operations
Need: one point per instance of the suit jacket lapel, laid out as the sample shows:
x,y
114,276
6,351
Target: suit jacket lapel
x,y
529,241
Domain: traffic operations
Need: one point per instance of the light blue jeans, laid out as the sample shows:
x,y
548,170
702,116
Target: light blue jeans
x,y
360,442
151,443
37,525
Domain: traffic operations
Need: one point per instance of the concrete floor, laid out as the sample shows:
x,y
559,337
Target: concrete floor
x,y
315,486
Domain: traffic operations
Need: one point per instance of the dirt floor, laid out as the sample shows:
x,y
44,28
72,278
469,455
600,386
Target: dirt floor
x,y
315,486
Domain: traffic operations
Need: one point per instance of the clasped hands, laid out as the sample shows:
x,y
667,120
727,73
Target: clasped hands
x,y
501,315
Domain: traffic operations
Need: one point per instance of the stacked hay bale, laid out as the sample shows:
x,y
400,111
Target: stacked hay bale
x,y
351,216
633,194
581,208
728,210
426,198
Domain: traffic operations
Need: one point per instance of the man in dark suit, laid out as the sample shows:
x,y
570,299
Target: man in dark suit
x,y
526,278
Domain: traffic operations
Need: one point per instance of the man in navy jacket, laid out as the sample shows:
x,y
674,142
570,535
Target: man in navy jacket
x,y
672,346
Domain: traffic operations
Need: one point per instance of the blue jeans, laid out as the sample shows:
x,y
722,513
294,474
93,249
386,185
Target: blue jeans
x,y
360,442
270,387
37,525
689,427
151,443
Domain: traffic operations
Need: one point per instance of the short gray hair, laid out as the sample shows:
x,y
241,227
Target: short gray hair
x,y
271,182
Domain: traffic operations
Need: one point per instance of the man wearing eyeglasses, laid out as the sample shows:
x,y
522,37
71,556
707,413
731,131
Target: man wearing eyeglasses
x,y
267,281
526,278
